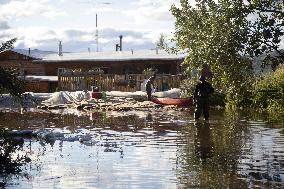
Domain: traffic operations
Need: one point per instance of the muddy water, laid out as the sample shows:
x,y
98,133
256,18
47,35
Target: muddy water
x,y
155,149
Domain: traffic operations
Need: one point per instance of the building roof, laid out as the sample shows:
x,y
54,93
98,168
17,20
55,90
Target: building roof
x,y
34,53
40,56
112,56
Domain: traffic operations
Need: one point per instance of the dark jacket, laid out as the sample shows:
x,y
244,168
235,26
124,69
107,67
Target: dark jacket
x,y
149,84
203,89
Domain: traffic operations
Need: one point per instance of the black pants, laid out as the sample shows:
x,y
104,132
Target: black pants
x,y
149,95
201,107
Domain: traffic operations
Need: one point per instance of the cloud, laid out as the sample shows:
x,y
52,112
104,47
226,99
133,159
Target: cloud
x,y
148,10
80,34
100,10
75,40
5,36
6,32
111,32
4,25
99,7
7,1
17,9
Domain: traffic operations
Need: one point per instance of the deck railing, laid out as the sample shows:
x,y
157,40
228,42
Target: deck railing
x,y
111,82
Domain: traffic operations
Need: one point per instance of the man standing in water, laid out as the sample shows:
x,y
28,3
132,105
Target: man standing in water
x,y
201,97
149,86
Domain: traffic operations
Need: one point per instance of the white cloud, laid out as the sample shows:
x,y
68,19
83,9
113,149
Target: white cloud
x,y
32,37
25,8
76,39
101,10
140,22
155,35
4,25
105,40
148,10
130,39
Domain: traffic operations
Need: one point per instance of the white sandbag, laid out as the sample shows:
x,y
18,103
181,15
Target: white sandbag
x,y
173,93
62,97
65,97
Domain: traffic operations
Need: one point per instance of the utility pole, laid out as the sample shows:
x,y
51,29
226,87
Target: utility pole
x,y
97,33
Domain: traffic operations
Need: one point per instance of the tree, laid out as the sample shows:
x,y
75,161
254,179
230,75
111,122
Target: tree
x,y
9,81
227,35
265,30
8,44
162,44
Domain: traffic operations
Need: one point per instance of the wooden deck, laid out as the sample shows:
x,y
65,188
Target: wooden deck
x,y
111,82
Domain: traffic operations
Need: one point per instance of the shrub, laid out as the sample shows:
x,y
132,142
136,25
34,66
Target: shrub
x,y
268,92
217,99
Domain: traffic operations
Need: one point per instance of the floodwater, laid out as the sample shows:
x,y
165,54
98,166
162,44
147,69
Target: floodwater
x,y
150,149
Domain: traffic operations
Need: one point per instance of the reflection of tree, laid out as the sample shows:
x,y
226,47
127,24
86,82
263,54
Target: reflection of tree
x,y
210,156
10,160
149,117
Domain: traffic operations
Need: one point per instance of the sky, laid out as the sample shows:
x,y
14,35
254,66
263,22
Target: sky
x,y
41,24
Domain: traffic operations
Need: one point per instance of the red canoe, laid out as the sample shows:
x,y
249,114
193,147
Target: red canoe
x,y
173,101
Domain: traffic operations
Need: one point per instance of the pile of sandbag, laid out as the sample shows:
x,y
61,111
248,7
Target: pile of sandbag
x,y
65,97
173,93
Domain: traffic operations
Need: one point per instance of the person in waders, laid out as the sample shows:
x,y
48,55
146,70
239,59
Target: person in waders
x,y
149,86
201,97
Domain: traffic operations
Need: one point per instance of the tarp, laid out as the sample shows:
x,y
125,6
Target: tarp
x,y
65,97
173,93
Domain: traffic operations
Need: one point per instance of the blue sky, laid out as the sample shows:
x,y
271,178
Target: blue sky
x,y
42,23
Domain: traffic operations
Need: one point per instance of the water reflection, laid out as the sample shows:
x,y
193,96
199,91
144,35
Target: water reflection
x,y
12,158
158,149
203,141
149,117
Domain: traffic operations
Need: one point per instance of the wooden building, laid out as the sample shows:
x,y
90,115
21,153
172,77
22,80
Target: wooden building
x,y
36,62
22,61
48,63
115,62
40,84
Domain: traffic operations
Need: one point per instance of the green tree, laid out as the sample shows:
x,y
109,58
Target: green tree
x,y
227,35
162,44
265,30
9,82
269,92
8,44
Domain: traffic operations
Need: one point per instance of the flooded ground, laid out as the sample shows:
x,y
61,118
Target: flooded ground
x,y
154,149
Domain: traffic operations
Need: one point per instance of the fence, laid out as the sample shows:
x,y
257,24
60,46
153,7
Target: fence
x,y
110,82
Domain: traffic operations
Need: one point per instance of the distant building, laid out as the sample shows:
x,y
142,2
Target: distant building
x,y
36,62
31,63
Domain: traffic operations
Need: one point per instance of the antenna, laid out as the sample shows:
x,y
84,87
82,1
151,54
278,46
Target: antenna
x,y
97,33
